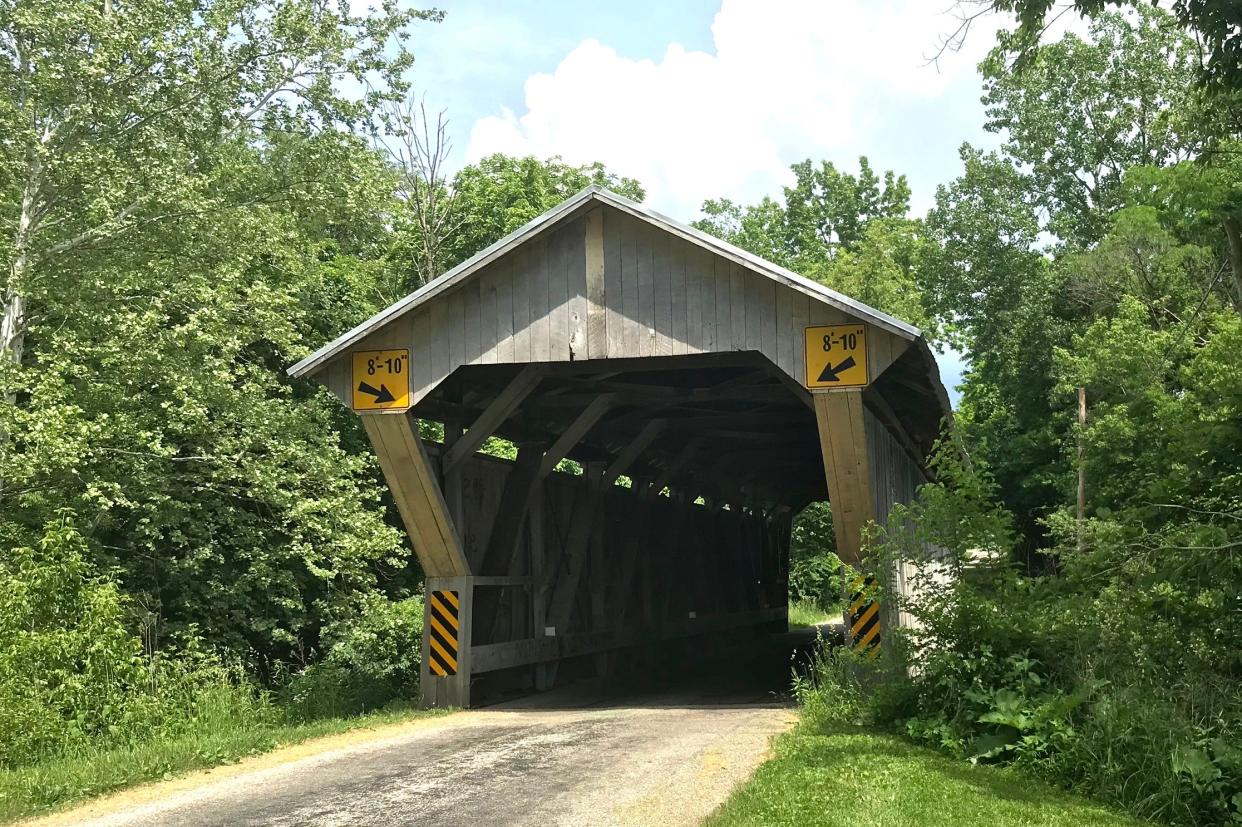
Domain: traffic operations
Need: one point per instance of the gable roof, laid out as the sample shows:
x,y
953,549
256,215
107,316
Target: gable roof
x,y
571,205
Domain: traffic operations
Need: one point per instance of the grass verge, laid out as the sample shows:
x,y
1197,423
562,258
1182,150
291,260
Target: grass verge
x,y
839,774
58,782
805,613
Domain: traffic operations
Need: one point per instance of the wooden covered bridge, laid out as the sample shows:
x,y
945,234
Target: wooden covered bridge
x,y
706,397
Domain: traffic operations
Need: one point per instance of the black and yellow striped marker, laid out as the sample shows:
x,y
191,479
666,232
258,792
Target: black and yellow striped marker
x,y
443,633
864,616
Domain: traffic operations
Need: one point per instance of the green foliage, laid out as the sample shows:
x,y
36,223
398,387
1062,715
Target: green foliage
x,y
161,276
1081,113
1116,677
816,575
73,677
499,194
1213,22
848,232
836,768
371,659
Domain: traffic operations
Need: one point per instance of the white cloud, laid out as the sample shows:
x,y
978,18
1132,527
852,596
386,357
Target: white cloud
x,y
789,79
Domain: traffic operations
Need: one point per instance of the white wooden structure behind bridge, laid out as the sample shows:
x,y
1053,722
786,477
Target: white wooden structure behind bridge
x,y
646,351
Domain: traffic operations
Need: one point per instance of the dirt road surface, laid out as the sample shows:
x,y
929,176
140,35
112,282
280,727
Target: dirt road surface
x,y
579,757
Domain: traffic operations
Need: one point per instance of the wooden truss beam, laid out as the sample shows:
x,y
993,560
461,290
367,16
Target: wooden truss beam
x,y
577,429
505,403
847,467
424,512
650,432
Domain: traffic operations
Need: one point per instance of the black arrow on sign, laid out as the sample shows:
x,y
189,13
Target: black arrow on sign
x,y
830,372
382,395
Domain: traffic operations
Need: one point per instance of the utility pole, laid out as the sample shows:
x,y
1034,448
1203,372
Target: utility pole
x,y
1082,469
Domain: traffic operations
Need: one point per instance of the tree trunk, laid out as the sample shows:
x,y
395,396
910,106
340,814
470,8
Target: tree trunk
x,y
13,323
1233,229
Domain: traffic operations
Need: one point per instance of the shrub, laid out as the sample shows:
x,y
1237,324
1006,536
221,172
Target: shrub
x,y
370,659
72,675
1117,675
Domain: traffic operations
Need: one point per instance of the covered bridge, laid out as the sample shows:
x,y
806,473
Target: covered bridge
x,y
705,394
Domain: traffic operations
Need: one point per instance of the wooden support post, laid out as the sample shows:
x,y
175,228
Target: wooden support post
x,y
452,480
506,536
847,467
573,561
634,545
407,469
493,416
451,690
539,594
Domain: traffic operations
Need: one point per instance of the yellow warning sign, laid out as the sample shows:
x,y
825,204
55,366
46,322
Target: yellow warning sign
x,y
836,356
443,625
864,616
381,380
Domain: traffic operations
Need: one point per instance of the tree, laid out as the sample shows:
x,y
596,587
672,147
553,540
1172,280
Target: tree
x,y
1079,114
501,193
1214,23
111,113
984,276
190,209
826,210
430,218
849,233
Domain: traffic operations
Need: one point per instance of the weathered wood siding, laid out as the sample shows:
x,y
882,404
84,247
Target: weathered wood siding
x,y
657,295
895,478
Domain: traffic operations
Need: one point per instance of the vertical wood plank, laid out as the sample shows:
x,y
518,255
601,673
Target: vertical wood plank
x,y
596,284
471,291
662,274
504,310
677,285
707,290
737,306
767,318
575,275
694,299
487,316
521,305
646,289
798,367
558,296
752,288
420,353
457,329
538,298
438,316
614,314
786,330
724,314
628,229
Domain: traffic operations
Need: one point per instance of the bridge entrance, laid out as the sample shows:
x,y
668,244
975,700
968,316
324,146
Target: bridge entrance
x,y
671,401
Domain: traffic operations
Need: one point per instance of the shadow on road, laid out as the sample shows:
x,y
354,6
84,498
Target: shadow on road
x,y
752,674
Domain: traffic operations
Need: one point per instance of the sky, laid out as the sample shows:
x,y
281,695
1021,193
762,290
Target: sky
x,y
703,99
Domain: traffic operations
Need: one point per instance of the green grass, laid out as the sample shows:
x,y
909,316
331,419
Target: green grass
x,y
66,780
837,774
804,613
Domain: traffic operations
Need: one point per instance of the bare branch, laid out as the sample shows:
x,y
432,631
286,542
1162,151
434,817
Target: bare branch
x,y
420,151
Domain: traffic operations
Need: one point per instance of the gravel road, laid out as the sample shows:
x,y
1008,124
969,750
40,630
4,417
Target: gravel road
x,y
575,757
